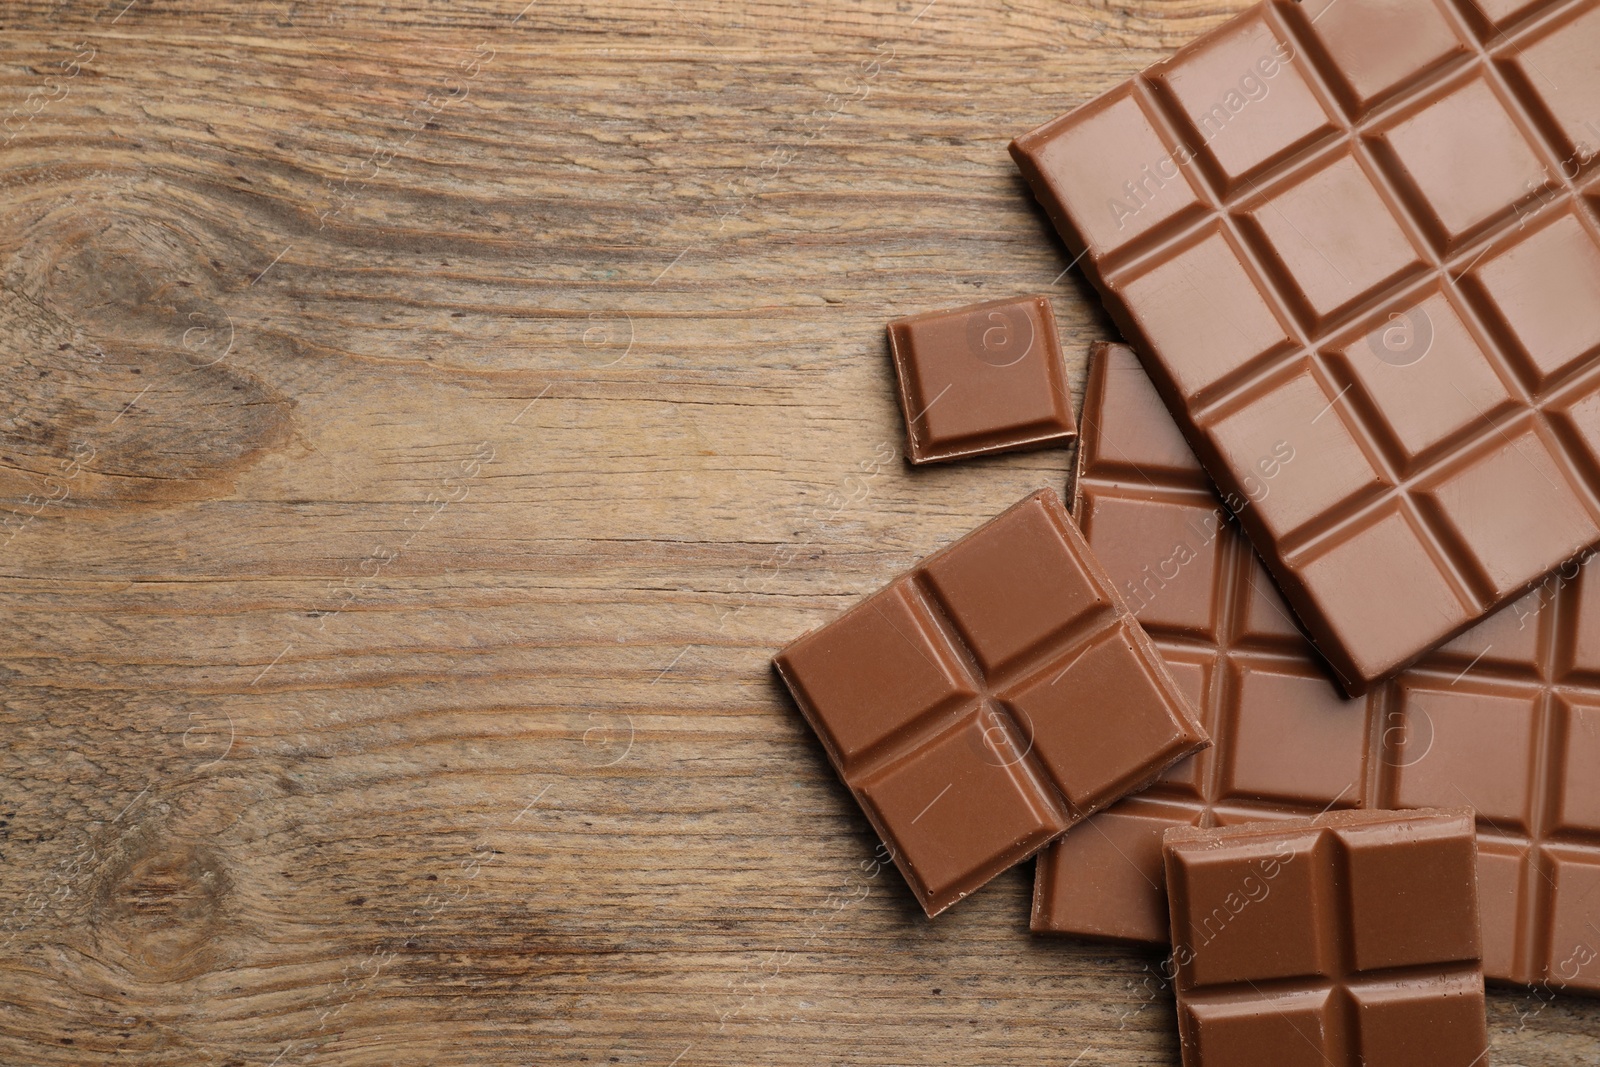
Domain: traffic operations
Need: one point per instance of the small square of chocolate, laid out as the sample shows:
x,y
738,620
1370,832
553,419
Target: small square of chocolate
x,y
981,379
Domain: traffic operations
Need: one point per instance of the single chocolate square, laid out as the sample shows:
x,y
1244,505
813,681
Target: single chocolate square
x,y
981,704
981,379
1386,358
1347,940
1505,718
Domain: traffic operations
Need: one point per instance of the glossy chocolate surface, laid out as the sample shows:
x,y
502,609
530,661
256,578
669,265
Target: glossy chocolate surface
x,y
1357,244
981,379
1350,940
989,699
1506,718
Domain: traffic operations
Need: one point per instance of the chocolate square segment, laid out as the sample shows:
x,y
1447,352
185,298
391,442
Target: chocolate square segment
x,y
1273,923
1165,555
1465,743
1336,236
1115,174
1580,789
1294,738
1394,259
1203,304
1529,290
1095,715
1408,883
1558,69
1570,941
1410,901
1375,47
1356,579
960,804
1247,103
981,379
1453,200
1109,878
994,696
1294,1033
1417,1024
1506,719
1515,509
1295,423
1012,586
878,669
1426,375
1243,913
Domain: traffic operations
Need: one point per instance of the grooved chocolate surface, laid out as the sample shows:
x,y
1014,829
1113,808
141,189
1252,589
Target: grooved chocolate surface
x,y
1349,940
1506,718
981,379
1364,232
989,699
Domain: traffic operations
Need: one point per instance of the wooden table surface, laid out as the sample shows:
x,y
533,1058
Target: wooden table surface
x,y
423,421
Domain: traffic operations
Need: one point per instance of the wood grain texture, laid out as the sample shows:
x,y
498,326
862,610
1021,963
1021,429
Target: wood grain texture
x,y
423,421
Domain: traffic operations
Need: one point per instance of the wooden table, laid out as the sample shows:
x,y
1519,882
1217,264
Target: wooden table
x,y
424,420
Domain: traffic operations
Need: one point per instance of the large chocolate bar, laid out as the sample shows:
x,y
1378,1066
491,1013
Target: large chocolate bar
x,y
989,699
1505,719
1356,244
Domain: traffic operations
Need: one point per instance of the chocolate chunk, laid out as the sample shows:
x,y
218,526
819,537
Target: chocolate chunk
x,y
981,379
1349,940
989,699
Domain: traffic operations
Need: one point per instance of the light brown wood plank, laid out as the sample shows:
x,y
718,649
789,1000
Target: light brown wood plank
x,y
403,489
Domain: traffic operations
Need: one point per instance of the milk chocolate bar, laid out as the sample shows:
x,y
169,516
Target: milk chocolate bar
x,y
989,699
1363,233
1349,940
1506,718
981,379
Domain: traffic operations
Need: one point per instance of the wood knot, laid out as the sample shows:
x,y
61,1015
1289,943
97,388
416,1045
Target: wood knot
x,y
160,907
123,375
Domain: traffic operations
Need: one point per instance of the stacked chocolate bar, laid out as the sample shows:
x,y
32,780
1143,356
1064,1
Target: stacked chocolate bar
x,y
1323,602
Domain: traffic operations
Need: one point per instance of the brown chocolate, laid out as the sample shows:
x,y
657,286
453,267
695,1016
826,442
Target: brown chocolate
x,y
1504,718
1350,940
989,699
981,379
1356,244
